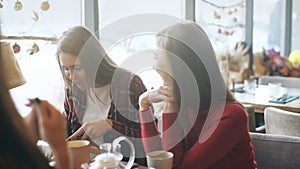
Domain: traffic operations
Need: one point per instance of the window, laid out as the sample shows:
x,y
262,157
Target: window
x,y
39,68
111,11
267,27
296,26
223,21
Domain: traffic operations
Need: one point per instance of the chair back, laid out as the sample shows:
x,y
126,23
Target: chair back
x,y
282,122
251,117
276,151
291,82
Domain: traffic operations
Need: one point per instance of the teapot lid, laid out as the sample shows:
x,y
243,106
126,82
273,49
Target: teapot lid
x,y
108,160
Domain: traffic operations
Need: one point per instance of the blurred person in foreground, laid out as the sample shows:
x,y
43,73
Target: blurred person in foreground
x,y
18,147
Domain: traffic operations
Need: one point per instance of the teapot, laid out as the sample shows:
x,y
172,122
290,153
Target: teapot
x,y
112,157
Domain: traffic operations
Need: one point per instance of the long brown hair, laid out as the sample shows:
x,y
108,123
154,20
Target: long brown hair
x,y
17,149
174,39
177,41
83,44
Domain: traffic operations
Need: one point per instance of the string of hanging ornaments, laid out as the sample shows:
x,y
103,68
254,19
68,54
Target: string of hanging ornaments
x,y
18,6
226,11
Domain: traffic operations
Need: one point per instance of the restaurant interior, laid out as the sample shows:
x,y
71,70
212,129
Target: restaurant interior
x,y
256,44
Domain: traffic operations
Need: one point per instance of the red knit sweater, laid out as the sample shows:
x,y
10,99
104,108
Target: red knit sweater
x,y
220,142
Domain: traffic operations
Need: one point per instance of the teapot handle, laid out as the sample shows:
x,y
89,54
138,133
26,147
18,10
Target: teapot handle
x,y
132,151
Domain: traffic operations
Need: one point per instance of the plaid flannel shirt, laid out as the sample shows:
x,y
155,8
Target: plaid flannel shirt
x,y
123,111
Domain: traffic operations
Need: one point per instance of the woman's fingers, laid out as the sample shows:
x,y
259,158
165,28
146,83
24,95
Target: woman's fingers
x,y
49,118
42,108
164,93
44,112
31,122
166,90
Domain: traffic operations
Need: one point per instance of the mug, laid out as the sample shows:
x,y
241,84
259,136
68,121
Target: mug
x,y
160,159
80,152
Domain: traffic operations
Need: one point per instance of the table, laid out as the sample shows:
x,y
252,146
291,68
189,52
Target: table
x,y
135,166
260,100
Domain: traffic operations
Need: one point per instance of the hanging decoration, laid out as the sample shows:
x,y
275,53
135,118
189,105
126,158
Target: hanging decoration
x,y
16,48
45,6
18,5
225,16
35,16
35,48
216,15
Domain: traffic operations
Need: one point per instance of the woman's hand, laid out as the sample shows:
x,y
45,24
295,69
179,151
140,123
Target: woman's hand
x,y
163,93
51,123
31,122
51,127
92,130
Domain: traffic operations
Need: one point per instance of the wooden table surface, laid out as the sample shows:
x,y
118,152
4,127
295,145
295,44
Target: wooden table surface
x,y
260,100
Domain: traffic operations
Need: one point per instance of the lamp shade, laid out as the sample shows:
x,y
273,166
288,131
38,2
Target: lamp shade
x,y
12,71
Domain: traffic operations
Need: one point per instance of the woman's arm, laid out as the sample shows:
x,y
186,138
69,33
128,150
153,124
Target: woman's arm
x,y
124,113
222,140
52,128
75,100
150,133
172,138
172,129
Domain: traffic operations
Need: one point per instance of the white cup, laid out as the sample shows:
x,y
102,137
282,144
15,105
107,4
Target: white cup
x,y
160,159
250,86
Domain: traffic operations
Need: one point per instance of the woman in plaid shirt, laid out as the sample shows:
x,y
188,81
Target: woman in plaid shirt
x,y
101,100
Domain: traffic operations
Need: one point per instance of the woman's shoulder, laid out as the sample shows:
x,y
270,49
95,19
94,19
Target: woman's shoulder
x,y
121,73
124,80
234,104
235,109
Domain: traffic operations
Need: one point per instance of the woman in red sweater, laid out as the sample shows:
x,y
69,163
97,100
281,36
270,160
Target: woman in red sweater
x,y
202,123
